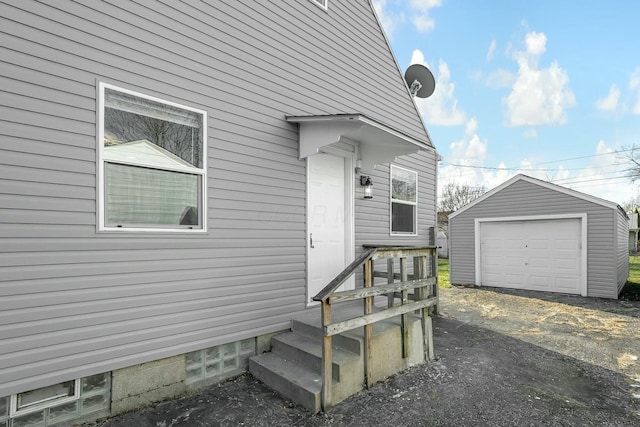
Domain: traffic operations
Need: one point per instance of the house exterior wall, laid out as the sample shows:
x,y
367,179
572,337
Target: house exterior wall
x,y
372,215
75,301
523,198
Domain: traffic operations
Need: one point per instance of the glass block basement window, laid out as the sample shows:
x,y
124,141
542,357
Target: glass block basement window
x,y
49,408
220,361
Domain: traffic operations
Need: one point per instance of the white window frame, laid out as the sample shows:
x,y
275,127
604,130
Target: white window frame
x,y
43,404
101,202
404,202
324,4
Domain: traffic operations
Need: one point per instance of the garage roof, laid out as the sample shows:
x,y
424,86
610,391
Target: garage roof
x,y
555,187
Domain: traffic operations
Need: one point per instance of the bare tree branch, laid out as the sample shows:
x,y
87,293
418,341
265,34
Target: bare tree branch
x,y
454,196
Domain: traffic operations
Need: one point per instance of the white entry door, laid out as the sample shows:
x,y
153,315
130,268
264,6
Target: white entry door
x,y
329,221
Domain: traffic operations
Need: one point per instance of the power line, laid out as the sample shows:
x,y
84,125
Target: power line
x,y
599,177
626,176
529,167
587,181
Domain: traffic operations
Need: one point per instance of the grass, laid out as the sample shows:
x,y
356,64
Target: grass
x,y
443,273
631,291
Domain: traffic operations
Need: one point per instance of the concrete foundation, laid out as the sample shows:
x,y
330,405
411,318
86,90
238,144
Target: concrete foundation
x,y
386,347
140,385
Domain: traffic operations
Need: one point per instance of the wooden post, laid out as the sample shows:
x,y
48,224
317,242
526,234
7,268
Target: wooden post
x,y
425,320
427,334
434,270
405,317
327,362
390,279
418,272
368,329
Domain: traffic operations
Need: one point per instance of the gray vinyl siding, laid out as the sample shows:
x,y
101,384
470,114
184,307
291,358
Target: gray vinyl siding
x,y
523,198
373,215
75,302
622,249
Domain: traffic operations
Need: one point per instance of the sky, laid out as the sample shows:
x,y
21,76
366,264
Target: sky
x,y
547,88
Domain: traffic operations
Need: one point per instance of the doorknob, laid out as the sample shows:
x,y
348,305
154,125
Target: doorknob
x,y
311,240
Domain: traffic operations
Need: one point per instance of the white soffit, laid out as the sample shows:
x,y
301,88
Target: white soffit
x,y
378,143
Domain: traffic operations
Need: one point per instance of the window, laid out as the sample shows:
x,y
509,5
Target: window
x,y
152,163
404,201
58,403
322,3
59,392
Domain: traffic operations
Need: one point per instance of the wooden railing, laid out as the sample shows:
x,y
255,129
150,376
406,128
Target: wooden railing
x,y
424,297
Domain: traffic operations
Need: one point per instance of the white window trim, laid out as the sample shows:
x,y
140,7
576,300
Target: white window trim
x,y
101,203
392,201
47,403
324,4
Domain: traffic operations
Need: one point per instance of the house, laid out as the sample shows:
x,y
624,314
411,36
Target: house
x,y
530,234
178,179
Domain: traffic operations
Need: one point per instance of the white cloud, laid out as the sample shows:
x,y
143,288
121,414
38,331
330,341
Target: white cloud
x,y
539,96
465,160
423,23
441,108
501,78
530,133
425,5
388,20
536,43
602,176
464,165
634,85
610,102
420,15
471,150
491,52
421,18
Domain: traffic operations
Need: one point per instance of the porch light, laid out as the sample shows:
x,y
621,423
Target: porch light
x,y
365,181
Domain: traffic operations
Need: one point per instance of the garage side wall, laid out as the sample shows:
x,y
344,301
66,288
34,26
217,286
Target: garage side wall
x,y
523,198
622,252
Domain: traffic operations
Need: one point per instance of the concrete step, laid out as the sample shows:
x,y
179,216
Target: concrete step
x,y
292,380
307,351
293,368
309,327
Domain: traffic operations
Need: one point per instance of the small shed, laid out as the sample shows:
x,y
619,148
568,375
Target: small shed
x,y
443,244
634,229
534,235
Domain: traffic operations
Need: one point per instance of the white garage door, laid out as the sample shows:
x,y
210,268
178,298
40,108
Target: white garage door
x,y
543,255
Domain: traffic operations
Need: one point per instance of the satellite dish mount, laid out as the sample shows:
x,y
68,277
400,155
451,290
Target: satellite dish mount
x,y
415,87
420,81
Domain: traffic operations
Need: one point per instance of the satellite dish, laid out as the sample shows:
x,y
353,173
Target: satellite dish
x,y
420,81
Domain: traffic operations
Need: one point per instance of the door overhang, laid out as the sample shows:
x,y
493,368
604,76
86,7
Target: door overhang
x,y
377,143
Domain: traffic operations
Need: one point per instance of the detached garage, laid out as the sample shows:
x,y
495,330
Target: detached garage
x,y
530,234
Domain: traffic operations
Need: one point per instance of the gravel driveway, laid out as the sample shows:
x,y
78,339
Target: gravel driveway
x,y
503,358
602,332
